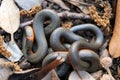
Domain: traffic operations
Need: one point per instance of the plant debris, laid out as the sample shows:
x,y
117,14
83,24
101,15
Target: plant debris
x,y
15,66
103,20
3,50
67,24
31,12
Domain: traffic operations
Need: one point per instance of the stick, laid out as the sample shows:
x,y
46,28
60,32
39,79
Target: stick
x,y
73,15
44,71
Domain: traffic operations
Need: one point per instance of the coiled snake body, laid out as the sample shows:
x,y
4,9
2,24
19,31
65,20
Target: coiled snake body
x,y
40,33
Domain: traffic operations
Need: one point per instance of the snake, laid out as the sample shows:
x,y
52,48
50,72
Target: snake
x,y
76,61
57,34
62,69
91,27
41,34
70,36
57,45
74,49
86,55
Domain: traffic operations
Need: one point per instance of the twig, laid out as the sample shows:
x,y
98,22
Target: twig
x,y
26,23
44,71
65,14
73,15
79,3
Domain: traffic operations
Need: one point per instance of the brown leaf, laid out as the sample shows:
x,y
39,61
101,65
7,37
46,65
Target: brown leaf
x,y
114,46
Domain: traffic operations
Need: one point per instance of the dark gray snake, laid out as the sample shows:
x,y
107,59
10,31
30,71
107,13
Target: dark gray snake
x,y
55,38
40,33
98,33
88,56
76,61
68,35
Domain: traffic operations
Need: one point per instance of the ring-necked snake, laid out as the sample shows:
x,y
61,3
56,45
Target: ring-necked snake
x,y
98,33
94,45
62,69
40,35
76,61
89,57
55,38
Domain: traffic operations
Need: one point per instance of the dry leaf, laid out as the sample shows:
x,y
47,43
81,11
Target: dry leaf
x,y
80,75
114,46
106,62
97,74
52,75
80,4
9,16
106,77
5,71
